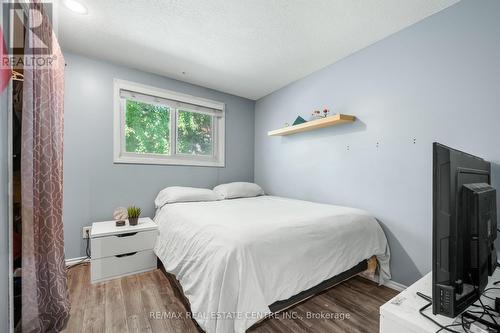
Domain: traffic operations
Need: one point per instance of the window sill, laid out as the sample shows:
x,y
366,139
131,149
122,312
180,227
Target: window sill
x,y
167,161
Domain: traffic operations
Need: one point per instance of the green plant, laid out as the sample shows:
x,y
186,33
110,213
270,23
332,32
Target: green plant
x,y
133,212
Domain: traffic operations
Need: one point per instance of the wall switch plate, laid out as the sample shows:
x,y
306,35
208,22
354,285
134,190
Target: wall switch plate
x,y
84,232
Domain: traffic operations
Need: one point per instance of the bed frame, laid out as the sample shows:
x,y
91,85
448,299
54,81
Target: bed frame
x,y
278,306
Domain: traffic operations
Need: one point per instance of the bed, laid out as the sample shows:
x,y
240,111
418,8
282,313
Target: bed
x,y
236,259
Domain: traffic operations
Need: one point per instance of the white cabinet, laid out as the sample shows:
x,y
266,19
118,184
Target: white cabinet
x,y
119,251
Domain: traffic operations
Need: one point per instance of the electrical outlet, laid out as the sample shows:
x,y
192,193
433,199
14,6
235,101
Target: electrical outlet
x,y
86,232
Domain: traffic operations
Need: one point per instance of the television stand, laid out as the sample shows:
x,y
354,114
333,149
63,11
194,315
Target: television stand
x,y
401,314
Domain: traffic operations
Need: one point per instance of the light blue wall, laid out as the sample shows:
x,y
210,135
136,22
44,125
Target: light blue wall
x,y
94,186
438,80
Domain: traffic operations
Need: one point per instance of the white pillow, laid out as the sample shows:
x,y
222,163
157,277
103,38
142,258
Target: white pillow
x,y
238,190
174,194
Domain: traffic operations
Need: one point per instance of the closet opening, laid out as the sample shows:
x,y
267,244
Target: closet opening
x,y
18,31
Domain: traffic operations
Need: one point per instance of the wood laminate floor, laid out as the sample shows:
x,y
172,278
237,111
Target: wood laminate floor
x,y
137,303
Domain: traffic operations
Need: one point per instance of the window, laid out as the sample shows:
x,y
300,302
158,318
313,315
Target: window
x,y
155,126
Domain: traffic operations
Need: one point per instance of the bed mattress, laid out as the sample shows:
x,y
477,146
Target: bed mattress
x,y
233,258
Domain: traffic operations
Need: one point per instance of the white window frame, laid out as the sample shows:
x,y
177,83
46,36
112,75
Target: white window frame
x,y
217,159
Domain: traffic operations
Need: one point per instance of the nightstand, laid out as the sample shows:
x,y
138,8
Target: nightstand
x,y
119,251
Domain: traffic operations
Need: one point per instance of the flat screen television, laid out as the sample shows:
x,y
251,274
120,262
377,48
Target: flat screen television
x,y
464,229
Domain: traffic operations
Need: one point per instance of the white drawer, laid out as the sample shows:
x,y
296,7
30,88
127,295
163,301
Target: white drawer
x,y
102,247
121,265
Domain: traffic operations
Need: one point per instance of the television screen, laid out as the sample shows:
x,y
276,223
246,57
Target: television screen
x,y
464,229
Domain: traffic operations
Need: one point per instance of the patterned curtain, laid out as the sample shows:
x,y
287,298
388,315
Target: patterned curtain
x,y
45,302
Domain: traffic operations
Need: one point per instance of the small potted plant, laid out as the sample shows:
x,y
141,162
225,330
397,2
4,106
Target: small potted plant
x,y
133,215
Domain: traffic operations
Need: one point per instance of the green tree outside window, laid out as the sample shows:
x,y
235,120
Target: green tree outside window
x,y
147,130
194,133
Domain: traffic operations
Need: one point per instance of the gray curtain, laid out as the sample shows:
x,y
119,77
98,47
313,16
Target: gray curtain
x,y
45,302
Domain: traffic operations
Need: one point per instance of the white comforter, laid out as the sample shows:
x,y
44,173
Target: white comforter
x,y
233,258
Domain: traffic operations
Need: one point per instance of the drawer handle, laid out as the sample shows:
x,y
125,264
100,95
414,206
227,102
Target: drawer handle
x,y
126,235
125,254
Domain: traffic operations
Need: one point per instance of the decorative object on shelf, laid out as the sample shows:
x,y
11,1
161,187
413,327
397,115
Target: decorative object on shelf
x,y
120,223
316,114
120,213
287,124
314,124
299,120
133,215
325,113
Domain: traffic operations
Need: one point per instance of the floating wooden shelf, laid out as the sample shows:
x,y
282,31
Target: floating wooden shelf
x,y
314,124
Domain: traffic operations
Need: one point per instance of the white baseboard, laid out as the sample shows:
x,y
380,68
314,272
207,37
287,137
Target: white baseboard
x,y
395,285
73,261
389,284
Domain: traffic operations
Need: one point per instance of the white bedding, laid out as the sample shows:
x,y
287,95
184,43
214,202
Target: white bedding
x,y
233,258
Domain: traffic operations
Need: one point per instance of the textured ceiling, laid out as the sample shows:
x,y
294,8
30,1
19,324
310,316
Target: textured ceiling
x,y
244,47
